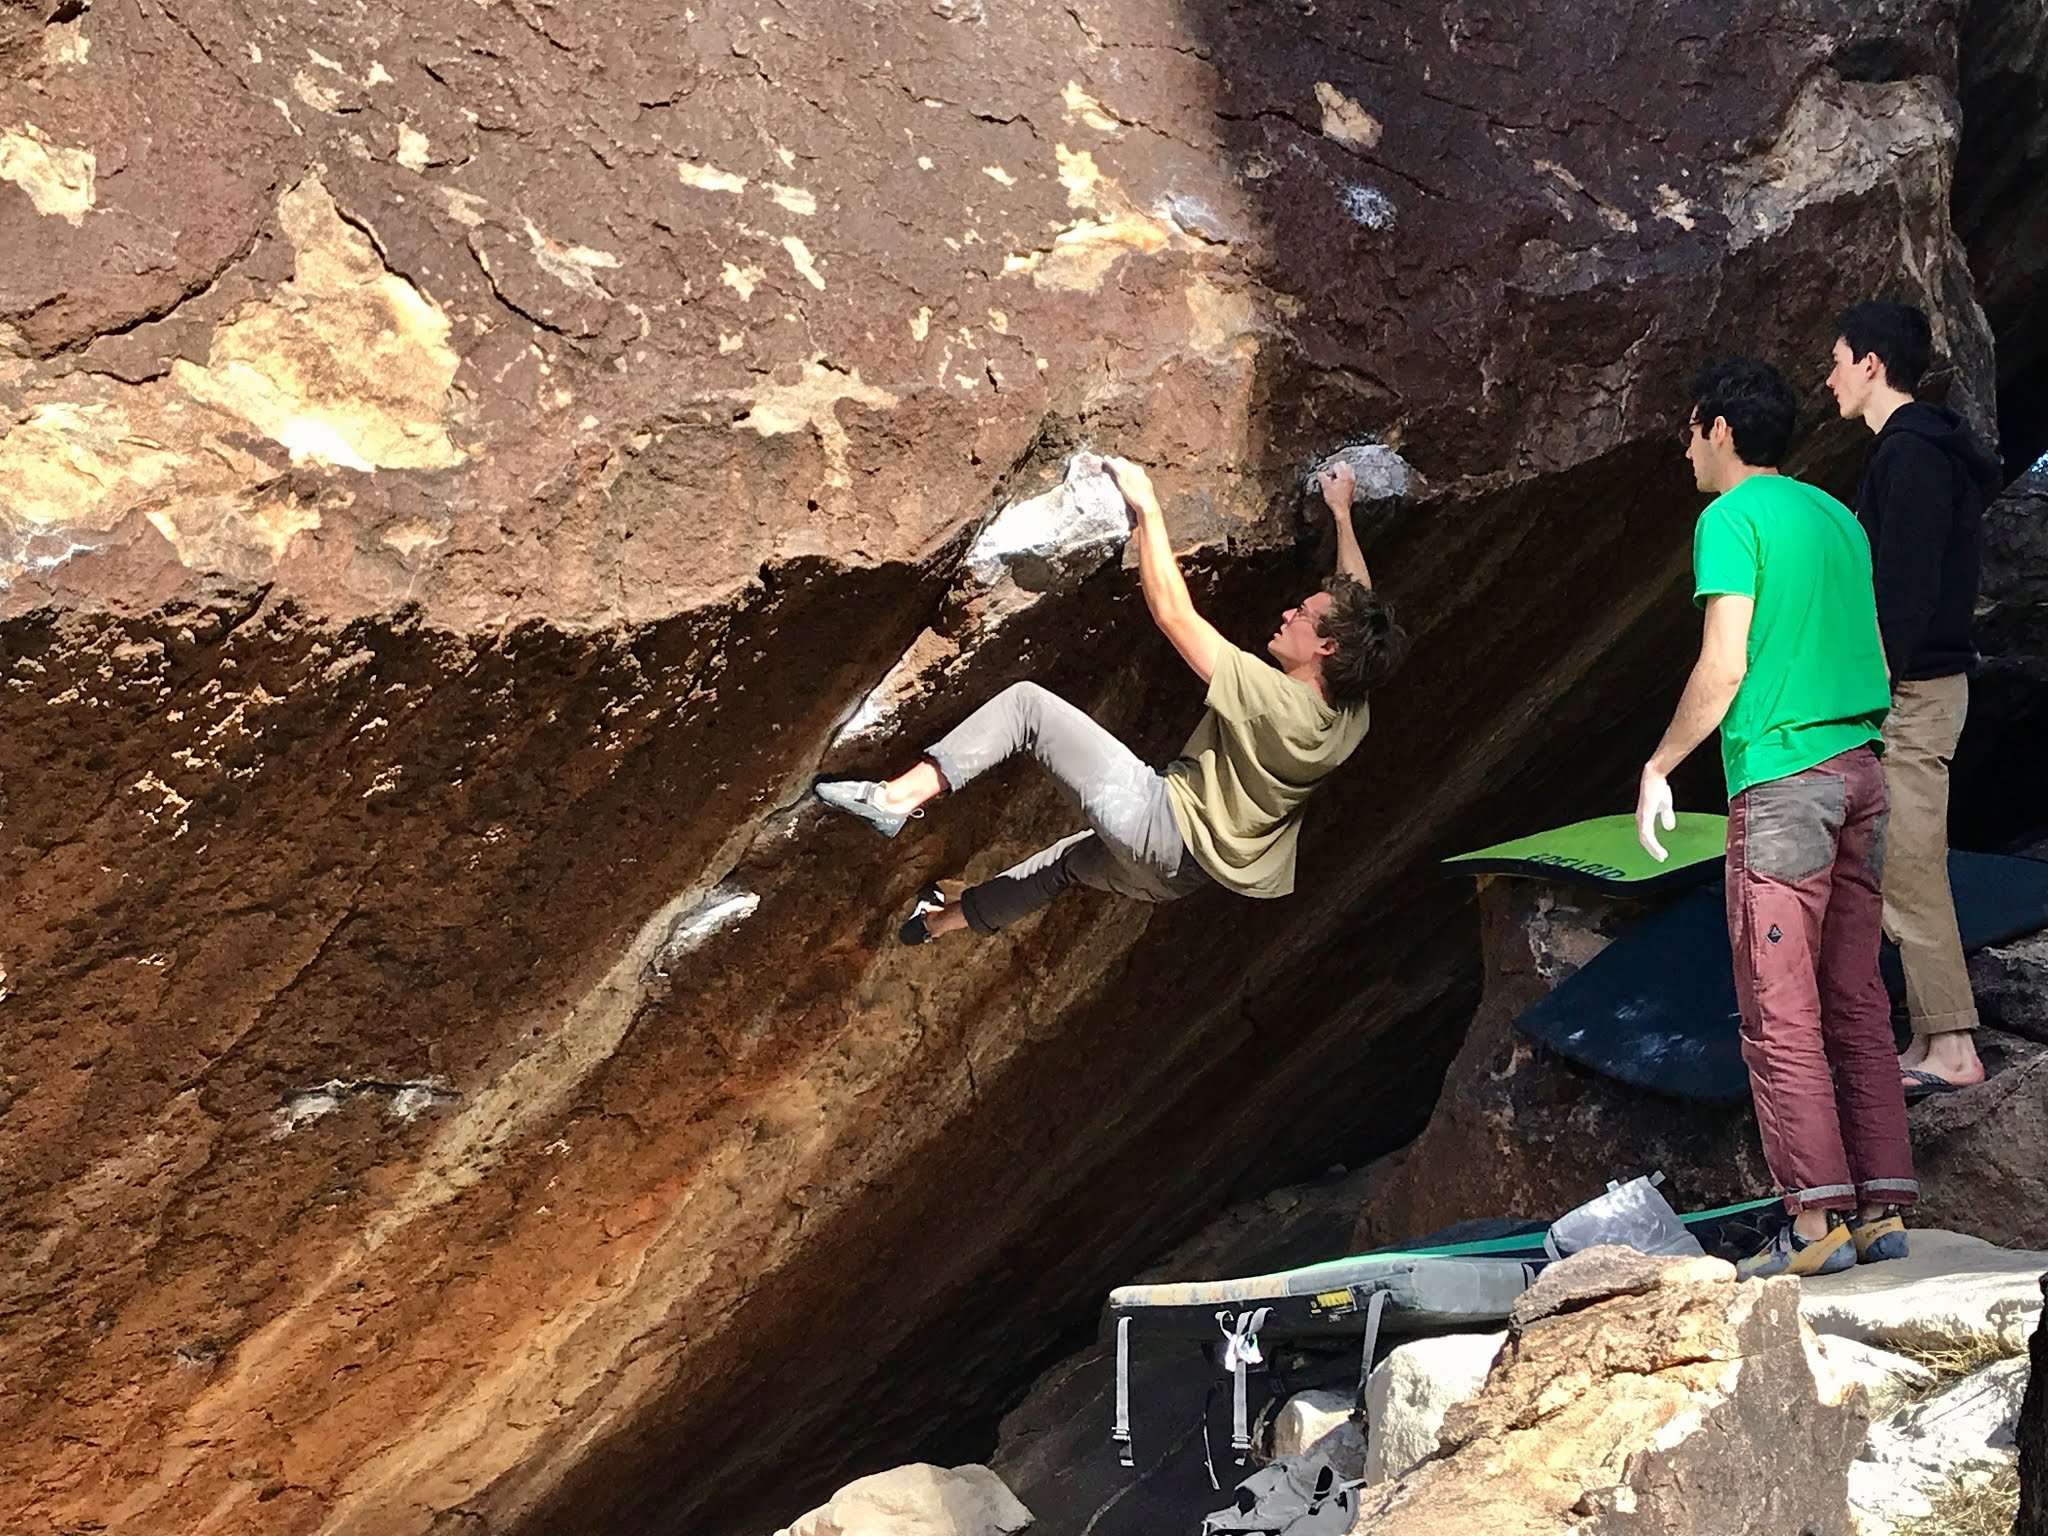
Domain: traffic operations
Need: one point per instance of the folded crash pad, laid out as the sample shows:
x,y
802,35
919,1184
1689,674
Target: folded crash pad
x,y
1604,853
1392,1292
1656,1008
1429,1289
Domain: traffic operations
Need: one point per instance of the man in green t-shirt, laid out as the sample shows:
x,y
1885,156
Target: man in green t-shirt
x,y
1228,809
1792,671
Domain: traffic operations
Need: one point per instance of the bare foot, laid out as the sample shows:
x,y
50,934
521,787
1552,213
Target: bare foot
x,y
902,795
1950,1056
948,919
930,922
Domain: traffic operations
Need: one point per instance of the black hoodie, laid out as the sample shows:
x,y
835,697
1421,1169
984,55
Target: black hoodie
x,y
1922,503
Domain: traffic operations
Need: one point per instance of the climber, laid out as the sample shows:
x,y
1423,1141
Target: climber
x,y
1228,810
1921,501
1792,673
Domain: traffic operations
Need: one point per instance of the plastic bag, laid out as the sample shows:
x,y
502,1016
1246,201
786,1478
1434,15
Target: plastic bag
x,y
1632,1215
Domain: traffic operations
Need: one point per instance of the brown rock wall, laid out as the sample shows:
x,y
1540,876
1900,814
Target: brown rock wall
x,y
463,463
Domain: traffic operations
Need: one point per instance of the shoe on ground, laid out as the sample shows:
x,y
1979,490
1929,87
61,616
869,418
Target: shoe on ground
x,y
856,797
1879,1239
1790,1254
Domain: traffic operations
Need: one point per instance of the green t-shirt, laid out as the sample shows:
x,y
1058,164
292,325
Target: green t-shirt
x,y
1816,683
1238,787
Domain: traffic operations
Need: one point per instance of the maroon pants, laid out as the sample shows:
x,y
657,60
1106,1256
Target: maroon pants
x,y
1805,918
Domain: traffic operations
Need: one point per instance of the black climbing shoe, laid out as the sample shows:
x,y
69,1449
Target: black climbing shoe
x,y
913,930
856,797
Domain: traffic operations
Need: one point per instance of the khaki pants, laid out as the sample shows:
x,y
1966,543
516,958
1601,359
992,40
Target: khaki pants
x,y
1919,910
1133,846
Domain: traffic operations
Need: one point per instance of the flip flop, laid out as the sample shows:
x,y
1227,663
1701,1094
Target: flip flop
x,y
1922,1085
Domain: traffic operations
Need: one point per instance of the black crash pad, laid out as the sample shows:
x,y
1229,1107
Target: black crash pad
x,y
1656,1008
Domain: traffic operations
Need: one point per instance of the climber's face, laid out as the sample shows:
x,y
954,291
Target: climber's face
x,y
1296,643
1710,451
1852,380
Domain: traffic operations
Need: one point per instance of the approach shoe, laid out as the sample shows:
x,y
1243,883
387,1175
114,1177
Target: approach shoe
x,y
913,930
856,797
1881,1238
1790,1254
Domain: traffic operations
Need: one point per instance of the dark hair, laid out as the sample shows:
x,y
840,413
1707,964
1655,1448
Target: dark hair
x,y
1370,644
1755,401
1897,333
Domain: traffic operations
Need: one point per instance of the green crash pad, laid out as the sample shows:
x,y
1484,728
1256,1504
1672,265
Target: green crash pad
x,y
1604,853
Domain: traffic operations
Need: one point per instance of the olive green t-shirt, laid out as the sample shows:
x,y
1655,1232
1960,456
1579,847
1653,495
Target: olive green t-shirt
x,y
1238,786
1816,683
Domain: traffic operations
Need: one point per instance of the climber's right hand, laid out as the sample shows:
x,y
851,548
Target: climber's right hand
x,y
1136,486
1338,483
1654,809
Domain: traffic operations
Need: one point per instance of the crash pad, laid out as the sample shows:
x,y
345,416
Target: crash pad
x,y
1656,1008
1429,1288
1603,853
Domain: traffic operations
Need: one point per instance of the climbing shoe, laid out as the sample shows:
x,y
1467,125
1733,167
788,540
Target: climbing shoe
x,y
914,931
1790,1254
856,797
1880,1238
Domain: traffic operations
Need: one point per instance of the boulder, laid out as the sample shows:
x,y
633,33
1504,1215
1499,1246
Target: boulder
x,y
2000,776
919,1500
1512,1129
1885,1379
1978,1151
1411,1390
465,469
1518,1131
1951,1291
1962,1434
2032,1436
1594,1274
1321,1423
2010,981
1690,1408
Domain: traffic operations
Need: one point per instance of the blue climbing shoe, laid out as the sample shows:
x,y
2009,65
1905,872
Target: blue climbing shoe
x,y
1881,1238
1790,1254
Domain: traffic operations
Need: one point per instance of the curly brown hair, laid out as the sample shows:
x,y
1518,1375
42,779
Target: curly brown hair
x,y
1371,645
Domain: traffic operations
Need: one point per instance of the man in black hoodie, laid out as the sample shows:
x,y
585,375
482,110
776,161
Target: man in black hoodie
x,y
1921,502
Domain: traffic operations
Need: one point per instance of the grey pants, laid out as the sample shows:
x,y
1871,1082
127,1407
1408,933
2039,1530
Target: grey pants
x,y
1133,847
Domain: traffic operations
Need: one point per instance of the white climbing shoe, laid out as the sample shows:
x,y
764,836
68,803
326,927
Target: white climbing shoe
x,y
856,797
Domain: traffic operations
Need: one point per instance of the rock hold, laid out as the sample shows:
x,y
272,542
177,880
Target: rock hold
x,y
1057,537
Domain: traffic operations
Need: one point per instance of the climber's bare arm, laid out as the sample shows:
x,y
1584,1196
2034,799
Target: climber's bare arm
x,y
1339,484
1166,593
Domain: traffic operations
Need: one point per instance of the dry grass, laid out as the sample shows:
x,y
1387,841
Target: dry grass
x,y
1979,1508
1951,1359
